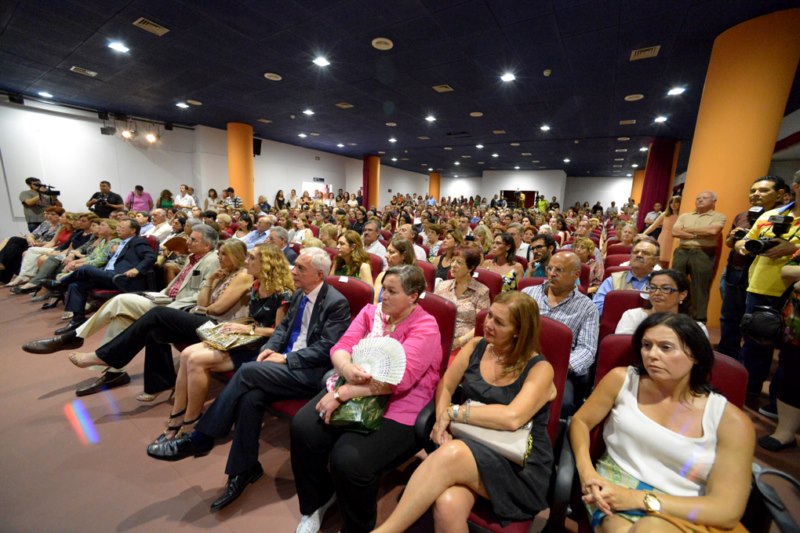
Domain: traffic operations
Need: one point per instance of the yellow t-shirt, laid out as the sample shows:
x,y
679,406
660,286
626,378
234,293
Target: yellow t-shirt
x,y
765,273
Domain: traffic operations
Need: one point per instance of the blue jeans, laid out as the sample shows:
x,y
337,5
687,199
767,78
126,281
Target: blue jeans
x,y
734,295
757,358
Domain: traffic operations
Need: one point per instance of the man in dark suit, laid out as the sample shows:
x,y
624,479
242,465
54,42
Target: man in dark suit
x,y
279,237
291,365
130,261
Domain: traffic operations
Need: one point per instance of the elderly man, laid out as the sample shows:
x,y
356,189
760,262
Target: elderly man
x,y
698,232
372,230
124,309
160,227
259,234
279,237
644,258
515,230
559,299
407,232
291,365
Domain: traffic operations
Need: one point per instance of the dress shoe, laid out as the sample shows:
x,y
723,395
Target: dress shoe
x,y
72,325
68,341
54,285
109,380
177,449
236,485
25,290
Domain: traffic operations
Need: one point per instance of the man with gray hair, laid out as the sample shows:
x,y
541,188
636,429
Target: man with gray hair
x,y
694,257
160,228
124,309
291,365
279,237
259,234
372,230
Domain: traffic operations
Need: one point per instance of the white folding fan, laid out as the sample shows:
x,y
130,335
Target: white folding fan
x,y
382,357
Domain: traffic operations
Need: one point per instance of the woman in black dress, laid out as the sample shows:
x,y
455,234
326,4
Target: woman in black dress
x,y
505,371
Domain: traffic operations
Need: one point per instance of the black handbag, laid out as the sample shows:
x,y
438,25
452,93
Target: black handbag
x,y
765,325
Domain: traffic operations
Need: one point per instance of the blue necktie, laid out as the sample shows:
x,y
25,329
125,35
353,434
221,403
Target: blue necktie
x,y
297,324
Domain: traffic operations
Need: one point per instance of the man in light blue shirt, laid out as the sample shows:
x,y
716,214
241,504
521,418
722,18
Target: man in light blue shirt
x,y
644,258
259,234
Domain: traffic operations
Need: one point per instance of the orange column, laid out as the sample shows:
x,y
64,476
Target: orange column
x,y
638,185
749,77
372,179
240,161
434,184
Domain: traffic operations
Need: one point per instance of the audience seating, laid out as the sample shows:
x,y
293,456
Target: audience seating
x,y
611,238
728,377
522,261
524,283
616,303
296,246
332,252
429,271
444,311
150,278
610,270
492,280
615,249
376,265
585,272
314,230
386,234
615,260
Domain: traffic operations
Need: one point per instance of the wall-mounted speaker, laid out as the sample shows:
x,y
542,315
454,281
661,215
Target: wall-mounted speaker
x,y
16,99
108,130
256,147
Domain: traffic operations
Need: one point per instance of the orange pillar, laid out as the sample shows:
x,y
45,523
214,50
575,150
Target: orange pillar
x,y
638,185
749,77
434,184
372,181
240,161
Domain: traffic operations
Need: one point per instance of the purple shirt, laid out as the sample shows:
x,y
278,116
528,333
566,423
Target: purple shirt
x,y
418,333
139,203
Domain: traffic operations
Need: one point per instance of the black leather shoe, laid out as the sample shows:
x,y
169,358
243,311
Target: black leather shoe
x,y
73,324
236,486
25,290
177,449
54,285
68,341
109,380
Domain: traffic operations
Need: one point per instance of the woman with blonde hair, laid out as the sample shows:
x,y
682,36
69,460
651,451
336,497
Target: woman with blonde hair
x,y
329,235
484,236
584,248
352,260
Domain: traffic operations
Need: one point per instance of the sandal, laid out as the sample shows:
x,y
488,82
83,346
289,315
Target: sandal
x,y
147,397
163,437
181,431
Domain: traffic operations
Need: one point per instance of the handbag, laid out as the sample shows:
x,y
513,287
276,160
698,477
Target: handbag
x,y
513,445
765,325
361,415
210,333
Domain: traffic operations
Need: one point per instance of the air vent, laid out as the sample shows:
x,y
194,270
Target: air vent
x,y
344,105
150,26
444,88
424,138
499,132
83,71
628,122
645,53
458,134
621,150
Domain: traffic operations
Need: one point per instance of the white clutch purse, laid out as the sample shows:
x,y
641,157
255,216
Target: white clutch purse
x,y
513,445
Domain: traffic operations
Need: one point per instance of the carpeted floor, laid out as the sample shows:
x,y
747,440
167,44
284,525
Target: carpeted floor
x,y
54,479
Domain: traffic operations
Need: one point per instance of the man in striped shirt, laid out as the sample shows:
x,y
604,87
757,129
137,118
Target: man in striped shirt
x,y
560,300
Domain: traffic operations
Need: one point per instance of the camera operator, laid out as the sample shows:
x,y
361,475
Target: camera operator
x,y
35,200
773,239
105,201
765,193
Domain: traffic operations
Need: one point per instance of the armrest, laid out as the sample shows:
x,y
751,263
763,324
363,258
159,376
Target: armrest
x,y
563,485
424,425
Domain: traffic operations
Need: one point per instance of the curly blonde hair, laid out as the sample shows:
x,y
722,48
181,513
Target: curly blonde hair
x,y
276,274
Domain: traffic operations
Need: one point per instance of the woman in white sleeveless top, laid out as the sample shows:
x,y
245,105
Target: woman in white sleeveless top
x,y
677,454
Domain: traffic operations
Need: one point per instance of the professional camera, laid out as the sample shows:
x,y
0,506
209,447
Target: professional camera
x,y
48,190
752,215
780,225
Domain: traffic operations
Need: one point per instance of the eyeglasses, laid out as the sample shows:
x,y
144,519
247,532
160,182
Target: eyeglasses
x,y
539,247
652,289
642,253
555,270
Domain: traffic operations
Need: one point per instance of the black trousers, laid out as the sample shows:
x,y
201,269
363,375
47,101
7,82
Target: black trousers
x,y
11,257
81,282
356,462
154,332
244,400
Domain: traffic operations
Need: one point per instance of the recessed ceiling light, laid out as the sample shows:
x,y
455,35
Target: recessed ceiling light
x,y
391,124
465,156
619,159
621,150
394,159
507,77
273,76
392,140
321,61
314,134
634,97
430,118
535,161
118,47
516,167
545,127
660,119
444,88
352,144
499,132
45,94
448,148
676,91
643,149
623,138
340,145
629,175
382,43
302,135
265,120
344,105
627,122
457,163
577,141
308,112
476,114
567,160
194,102
182,105
495,154
635,165
430,169
479,146
525,154
424,138
381,152
514,144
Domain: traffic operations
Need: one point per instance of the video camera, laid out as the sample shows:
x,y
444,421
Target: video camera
x,y
48,190
780,225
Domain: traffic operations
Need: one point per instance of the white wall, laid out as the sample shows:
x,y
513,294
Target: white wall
x,y
592,189
395,180
547,182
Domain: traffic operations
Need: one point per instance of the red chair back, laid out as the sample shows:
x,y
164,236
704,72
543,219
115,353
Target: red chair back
x,y
429,271
444,311
358,293
386,234
296,247
522,261
492,280
376,265
585,272
616,260
332,252
615,304
615,249
610,270
314,230
612,238
524,283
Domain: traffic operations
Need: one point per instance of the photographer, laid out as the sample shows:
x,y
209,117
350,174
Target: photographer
x,y
35,200
105,201
765,193
773,239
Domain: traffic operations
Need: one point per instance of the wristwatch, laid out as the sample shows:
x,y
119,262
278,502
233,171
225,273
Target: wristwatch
x,y
651,503
252,330
337,396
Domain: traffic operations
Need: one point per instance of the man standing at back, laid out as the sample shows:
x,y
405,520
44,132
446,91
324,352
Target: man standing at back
x,y
105,201
698,233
